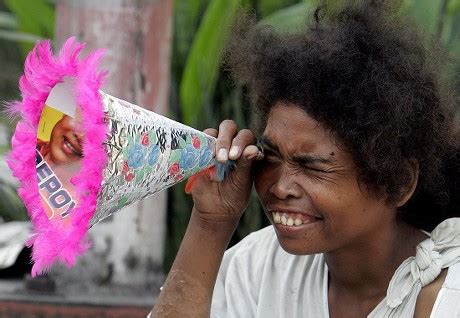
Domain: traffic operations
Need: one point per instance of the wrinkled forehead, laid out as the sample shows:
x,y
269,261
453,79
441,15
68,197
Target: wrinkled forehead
x,y
290,128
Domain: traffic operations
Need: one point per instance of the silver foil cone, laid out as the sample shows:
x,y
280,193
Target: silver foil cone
x,y
147,153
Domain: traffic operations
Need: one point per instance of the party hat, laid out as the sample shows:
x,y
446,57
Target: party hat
x,y
82,155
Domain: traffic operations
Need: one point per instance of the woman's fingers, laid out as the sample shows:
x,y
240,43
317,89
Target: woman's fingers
x,y
227,130
244,138
233,144
211,132
251,152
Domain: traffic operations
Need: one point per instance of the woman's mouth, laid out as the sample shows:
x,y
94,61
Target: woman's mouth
x,y
293,219
69,148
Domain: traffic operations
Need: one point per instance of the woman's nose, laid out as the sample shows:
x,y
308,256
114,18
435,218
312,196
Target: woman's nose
x,y
285,186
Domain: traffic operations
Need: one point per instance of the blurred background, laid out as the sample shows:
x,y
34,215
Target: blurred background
x,y
164,55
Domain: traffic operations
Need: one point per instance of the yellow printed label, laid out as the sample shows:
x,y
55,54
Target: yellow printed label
x,y
50,116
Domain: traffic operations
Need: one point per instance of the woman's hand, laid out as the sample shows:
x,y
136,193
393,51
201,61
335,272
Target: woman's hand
x,y
226,201
218,207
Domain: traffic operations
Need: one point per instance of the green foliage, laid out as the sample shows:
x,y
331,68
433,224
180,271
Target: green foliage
x,y
22,23
8,21
424,13
187,16
202,67
290,19
267,7
35,20
453,6
11,208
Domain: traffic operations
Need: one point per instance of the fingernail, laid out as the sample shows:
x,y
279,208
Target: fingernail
x,y
222,154
234,151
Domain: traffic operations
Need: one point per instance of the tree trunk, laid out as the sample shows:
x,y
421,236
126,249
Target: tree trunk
x,y
128,247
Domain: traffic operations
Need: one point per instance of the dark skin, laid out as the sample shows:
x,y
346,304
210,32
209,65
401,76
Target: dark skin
x,y
305,174
357,231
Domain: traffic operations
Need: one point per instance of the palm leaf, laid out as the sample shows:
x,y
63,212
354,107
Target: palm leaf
x,y
11,208
203,62
290,19
8,21
19,36
34,17
186,21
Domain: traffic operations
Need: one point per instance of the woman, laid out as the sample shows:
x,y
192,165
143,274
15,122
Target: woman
x,y
357,132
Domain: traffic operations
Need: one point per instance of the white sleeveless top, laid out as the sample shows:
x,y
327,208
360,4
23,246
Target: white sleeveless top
x,y
258,278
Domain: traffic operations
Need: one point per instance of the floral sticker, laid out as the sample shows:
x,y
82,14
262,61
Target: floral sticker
x,y
174,169
188,154
205,157
136,156
196,142
153,155
189,157
145,139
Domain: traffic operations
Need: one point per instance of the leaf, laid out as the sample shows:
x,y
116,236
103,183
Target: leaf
x,y
19,36
453,34
267,7
425,13
122,201
127,146
182,143
203,62
174,156
140,175
34,17
290,19
186,21
8,20
453,7
203,140
11,207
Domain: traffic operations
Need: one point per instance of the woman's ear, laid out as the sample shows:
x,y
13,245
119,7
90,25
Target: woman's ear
x,y
408,190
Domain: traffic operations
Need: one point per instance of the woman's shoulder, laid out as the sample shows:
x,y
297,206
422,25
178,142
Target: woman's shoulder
x,y
442,250
441,297
447,230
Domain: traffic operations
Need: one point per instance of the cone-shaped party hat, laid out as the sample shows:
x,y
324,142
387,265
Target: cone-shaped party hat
x,y
81,154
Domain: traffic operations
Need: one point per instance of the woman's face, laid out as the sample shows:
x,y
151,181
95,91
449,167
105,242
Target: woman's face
x,y
65,143
309,189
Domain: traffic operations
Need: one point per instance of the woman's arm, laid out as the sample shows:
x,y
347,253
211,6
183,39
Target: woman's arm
x,y
217,208
190,283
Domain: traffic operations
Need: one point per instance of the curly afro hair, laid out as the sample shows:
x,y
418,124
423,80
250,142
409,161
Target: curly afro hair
x,y
374,81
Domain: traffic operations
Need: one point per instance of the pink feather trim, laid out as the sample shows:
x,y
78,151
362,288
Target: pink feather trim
x,y
42,71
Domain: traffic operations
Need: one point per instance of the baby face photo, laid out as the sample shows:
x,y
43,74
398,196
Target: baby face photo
x,y
58,154
65,143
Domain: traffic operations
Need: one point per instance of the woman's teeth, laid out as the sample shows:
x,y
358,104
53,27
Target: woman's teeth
x,y
289,219
72,148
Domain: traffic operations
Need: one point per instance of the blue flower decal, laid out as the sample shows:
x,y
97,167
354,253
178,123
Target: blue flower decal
x,y
205,156
136,156
189,157
153,155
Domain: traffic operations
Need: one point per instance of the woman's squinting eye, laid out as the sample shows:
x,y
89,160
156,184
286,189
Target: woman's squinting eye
x,y
315,169
270,157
